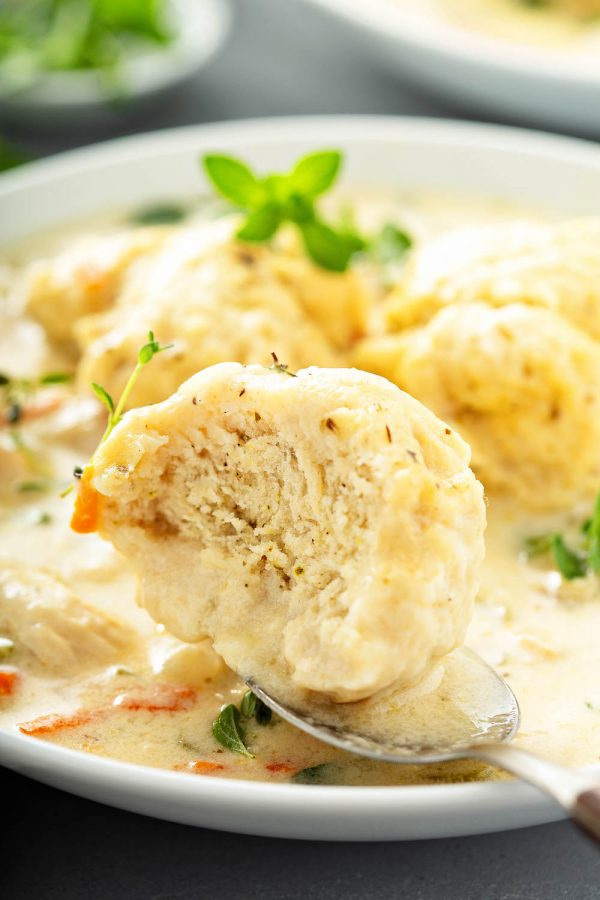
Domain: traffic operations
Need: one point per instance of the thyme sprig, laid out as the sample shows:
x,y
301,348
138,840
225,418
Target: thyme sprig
x,y
16,392
15,395
146,353
571,562
115,411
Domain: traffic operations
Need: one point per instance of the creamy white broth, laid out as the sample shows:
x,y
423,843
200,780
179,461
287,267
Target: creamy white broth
x,y
539,631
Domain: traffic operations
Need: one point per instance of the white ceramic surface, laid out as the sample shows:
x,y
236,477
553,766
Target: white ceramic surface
x,y
202,27
532,83
517,165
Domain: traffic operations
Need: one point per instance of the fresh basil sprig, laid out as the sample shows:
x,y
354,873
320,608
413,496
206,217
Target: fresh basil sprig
x,y
270,201
571,563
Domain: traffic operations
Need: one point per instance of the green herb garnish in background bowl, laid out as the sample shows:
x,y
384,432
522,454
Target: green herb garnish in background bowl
x,y
11,156
39,37
273,200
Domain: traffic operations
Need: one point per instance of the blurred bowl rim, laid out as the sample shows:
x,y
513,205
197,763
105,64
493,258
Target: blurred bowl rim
x,y
387,19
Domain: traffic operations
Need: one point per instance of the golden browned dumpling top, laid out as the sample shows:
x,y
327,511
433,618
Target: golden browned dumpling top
x,y
555,266
217,300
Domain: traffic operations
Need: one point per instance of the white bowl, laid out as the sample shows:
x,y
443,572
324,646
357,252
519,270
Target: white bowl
x,y
517,165
536,84
65,97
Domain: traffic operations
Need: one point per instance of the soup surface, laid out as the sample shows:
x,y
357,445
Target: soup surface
x,y
133,692
517,21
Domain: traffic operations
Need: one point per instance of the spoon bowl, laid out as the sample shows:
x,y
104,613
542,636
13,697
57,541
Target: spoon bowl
x,y
463,709
462,703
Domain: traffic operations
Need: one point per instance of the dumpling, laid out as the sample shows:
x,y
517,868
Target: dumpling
x,y
556,267
84,279
215,300
323,526
583,9
519,383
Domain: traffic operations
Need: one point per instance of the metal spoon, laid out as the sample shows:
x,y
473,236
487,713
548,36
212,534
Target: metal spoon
x,y
466,711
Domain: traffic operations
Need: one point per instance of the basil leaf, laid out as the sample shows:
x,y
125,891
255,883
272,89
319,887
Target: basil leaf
x,y
326,247
160,214
229,733
248,704
261,225
391,244
104,396
315,173
321,774
569,564
278,187
234,180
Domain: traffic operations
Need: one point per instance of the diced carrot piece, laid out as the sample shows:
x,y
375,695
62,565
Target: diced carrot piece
x,y
280,767
87,505
199,767
94,278
8,682
54,722
167,697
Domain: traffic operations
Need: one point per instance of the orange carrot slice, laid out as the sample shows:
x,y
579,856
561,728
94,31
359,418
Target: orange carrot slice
x,y
280,767
53,722
8,682
199,767
87,505
167,697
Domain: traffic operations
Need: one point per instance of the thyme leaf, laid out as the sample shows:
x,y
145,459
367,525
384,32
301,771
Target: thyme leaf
x,y
571,562
227,730
248,704
159,214
593,538
104,397
391,244
320,774
252,707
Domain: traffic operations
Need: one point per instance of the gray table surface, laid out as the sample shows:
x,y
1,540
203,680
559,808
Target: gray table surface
x,y
281,58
